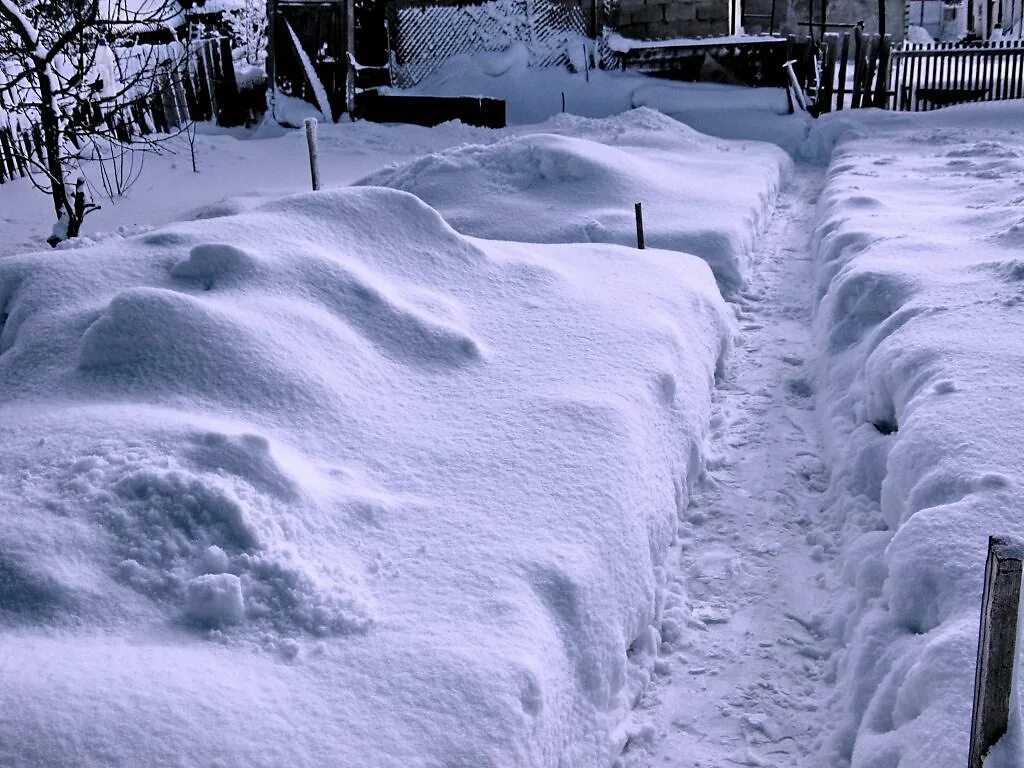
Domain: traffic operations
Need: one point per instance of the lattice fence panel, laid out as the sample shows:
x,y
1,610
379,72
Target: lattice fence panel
x,y
425,36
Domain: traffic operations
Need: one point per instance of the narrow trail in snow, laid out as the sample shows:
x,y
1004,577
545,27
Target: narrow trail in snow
x,y
745,683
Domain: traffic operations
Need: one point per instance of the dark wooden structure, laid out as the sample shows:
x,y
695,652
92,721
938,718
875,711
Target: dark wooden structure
x,y
304,35
430,110
344,43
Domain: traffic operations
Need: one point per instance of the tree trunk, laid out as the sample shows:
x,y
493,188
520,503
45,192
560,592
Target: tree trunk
x,y
52,141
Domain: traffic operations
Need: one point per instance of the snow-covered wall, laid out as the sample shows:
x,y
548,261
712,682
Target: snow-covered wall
x,y
921,285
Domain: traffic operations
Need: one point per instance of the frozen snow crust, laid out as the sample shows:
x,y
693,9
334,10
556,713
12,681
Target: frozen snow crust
x,y
578,180
328,483
921,282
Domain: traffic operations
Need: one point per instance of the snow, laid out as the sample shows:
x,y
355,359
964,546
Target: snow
x,y
622,44
919,320
295,477
327,478
558,186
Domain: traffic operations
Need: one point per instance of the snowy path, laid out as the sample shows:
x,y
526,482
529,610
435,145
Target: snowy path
x,y
743,684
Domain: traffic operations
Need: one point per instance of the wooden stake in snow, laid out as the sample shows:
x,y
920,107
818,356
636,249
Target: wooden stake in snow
x,y
997,642
639,208
314,154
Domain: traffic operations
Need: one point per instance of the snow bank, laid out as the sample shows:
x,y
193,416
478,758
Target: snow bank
x,y
577,181
327,483
920,282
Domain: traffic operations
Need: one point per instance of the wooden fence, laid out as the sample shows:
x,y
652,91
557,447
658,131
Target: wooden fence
x,y
859,70
929,76
203,88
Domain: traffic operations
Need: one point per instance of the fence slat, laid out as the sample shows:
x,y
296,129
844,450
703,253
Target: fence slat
x,y
844,54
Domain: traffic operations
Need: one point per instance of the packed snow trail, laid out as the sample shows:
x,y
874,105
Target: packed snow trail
x,y
740,678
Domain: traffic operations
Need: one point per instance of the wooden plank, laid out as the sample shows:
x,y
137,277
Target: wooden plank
x,y
881,99
997,643
1019,90
897,76
191,95
156,108
870,68
213,74
844,54
828,74
7,152
27,149
3,161
915,81
942,80
231,113
904,86
138,113
170,106
14,166
204,107
37,139
858,66
983,69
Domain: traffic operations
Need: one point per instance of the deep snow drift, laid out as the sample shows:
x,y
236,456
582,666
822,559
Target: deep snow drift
x,y
920,274
327,483
578,180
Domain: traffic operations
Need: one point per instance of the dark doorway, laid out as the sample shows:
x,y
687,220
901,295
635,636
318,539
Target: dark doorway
x,y
319,28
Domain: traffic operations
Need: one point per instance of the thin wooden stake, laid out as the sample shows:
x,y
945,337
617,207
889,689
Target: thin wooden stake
x,y
314,154
997,641
639,208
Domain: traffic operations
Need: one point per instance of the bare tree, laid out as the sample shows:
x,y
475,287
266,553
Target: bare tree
x,y
74,68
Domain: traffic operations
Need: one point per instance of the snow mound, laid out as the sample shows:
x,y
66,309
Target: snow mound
x,y
558,187
327,478
920,318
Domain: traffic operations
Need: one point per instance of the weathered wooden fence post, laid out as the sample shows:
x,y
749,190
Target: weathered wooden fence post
x,y
997,643
639,209
314,154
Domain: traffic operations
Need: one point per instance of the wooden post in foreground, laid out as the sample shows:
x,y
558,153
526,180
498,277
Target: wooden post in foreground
x,y
639,208
314,154
997,642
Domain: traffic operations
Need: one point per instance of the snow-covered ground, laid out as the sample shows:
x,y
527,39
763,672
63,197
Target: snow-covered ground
x,y
919,269
578,180
327,479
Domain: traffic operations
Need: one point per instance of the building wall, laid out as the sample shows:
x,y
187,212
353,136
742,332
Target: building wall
x,y
663,19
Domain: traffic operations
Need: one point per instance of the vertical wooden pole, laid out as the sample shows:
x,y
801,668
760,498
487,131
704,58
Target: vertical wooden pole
x,y
314,154
844,55
881,99
638,207
858,67
997,642
350,56
828,73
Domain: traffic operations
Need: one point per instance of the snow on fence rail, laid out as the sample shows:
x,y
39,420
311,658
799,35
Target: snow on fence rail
x,y
205,89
